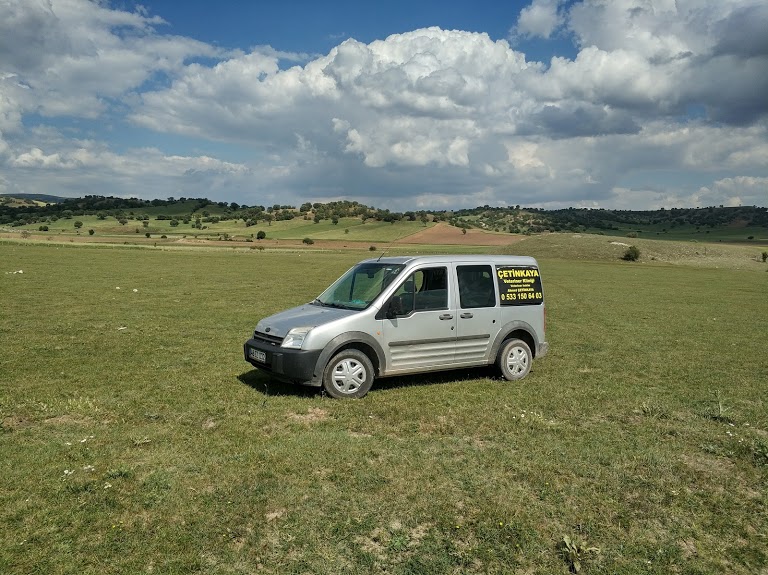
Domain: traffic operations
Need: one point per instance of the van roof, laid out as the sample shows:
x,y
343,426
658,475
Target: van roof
x,y
457,258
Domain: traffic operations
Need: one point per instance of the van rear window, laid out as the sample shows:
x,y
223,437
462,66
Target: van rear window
x,y
519,285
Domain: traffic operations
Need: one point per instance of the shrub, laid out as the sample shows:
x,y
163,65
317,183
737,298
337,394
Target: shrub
x,y
632,254
45,229
748,237
261,234
308,241
372,249
78,224
632,235
163,237
91,232
765,254
148,235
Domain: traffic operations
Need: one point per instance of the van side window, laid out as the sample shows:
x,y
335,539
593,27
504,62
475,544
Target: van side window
x,y
424,289
476,286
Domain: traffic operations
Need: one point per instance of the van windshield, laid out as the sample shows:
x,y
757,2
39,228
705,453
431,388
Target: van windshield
x,y
357,288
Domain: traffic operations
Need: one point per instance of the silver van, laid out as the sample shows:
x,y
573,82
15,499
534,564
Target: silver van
x,y
402,315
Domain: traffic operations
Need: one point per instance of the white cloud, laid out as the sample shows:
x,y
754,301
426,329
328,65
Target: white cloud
x,y
741,190
658,87
75,54
540,19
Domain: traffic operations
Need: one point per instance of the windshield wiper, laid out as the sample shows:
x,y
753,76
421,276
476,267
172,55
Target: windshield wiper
x,y
337,305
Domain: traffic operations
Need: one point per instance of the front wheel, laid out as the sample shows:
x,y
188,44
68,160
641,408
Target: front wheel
x,y
514,359
348,374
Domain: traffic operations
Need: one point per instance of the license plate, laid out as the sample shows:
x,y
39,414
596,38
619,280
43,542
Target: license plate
x,y
257,355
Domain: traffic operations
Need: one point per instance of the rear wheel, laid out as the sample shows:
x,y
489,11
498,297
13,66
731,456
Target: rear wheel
x,y
514,359
348,374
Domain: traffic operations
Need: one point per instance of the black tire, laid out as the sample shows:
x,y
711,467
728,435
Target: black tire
x,y
349,374
514,359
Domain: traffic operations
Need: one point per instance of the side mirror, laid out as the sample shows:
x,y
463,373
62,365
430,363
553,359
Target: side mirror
x,y
395,308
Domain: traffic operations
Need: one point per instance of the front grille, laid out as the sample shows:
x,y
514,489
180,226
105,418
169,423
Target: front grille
x,y
266,338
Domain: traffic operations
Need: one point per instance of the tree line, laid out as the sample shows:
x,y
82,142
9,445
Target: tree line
x,y
512,219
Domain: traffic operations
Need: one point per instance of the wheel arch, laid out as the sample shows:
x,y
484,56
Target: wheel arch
x,y
515,330
352,340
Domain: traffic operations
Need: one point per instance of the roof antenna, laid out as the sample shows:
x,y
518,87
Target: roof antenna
x,y
390,244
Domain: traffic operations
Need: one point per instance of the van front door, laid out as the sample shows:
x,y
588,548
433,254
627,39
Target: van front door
x,y
420,324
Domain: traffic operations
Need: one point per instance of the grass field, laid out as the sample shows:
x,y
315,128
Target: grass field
x,y
734,234
135,439
588,247
349,229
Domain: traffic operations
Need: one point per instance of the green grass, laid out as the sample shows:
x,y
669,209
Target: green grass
x,y
724,233
135,438
296,229
587,247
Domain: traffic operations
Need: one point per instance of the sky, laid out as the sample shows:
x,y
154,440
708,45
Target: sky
x,y
616,104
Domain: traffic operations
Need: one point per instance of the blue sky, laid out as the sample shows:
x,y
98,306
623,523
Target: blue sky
x,y
316,27
628,104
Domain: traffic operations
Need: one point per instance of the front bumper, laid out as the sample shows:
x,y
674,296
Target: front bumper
x,y
291,365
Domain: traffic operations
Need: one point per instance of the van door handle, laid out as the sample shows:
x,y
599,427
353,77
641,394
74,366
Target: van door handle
x,y
466,315
446,316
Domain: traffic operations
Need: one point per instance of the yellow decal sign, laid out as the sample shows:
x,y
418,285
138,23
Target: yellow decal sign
x,y
519,285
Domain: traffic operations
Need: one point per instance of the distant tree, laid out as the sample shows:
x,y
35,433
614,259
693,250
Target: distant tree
x,y
464,231
148,235
91,232
765,254
174,223
424,219
145,224
308,241
122,221
261,234
45,229
335,220
269,218
346,231
632,254
78,224
316,219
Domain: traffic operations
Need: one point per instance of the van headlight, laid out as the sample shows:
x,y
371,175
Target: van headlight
x,y
295,337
